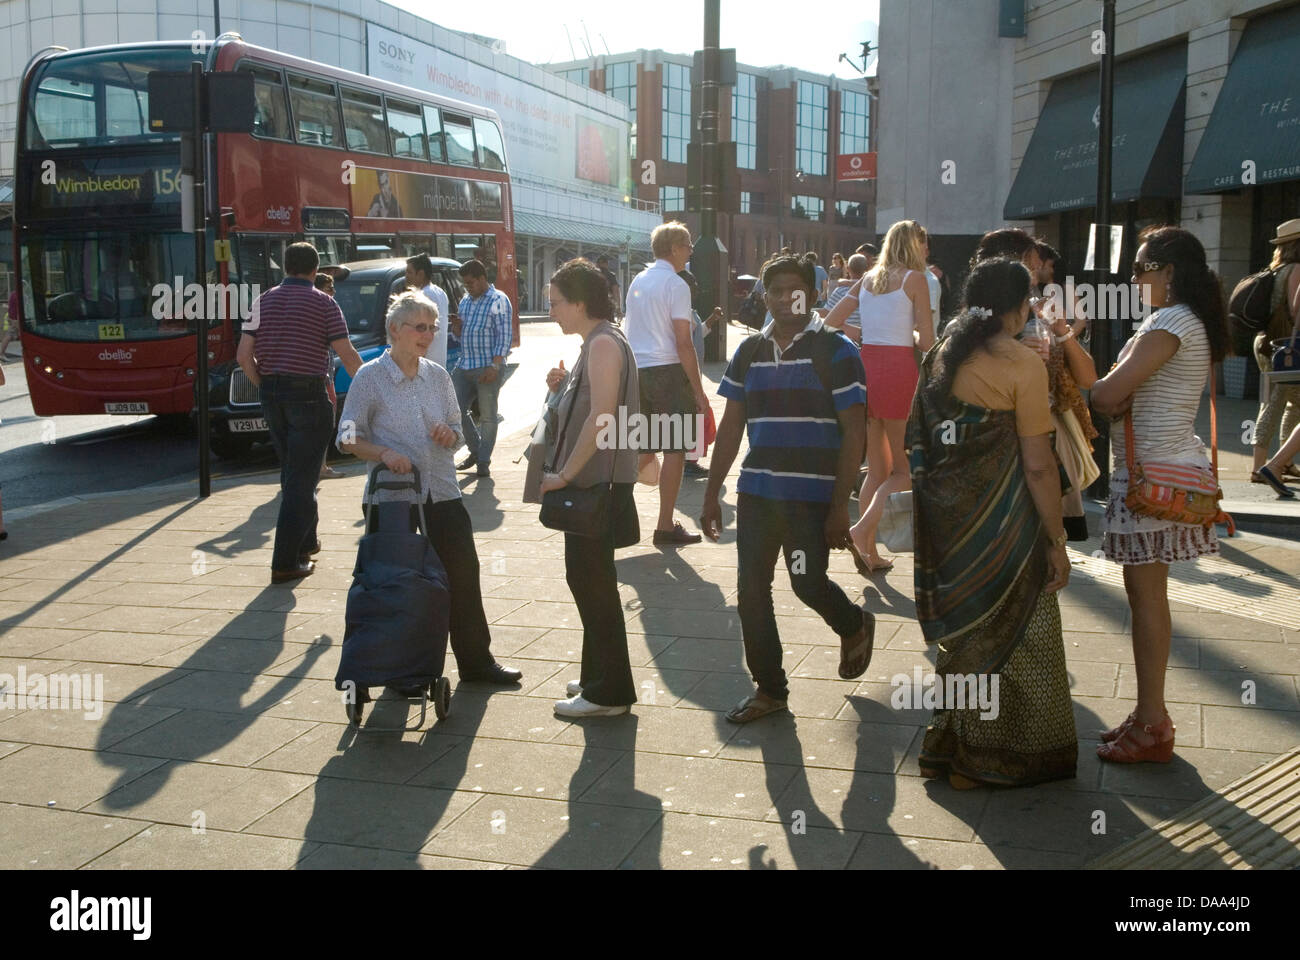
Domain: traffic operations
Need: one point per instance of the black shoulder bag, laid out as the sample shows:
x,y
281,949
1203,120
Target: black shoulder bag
x,y
583,511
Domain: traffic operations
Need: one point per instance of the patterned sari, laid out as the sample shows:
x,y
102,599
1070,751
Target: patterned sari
x,y
980,569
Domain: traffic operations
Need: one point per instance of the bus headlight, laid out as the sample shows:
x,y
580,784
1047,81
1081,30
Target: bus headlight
x,y
59,375
49,369
36,360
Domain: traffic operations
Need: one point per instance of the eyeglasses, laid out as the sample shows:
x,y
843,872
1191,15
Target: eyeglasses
x,y
1145,266
423,327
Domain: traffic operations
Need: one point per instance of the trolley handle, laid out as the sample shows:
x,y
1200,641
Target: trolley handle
x,y
412,484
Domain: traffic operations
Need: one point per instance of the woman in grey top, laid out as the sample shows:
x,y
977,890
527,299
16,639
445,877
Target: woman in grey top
x,y
593,449
401,411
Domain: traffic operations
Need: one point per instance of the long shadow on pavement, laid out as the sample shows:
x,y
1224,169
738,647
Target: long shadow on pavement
x,y
209,700
378,802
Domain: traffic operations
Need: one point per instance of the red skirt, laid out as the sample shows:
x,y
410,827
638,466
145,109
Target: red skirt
x,y
891,380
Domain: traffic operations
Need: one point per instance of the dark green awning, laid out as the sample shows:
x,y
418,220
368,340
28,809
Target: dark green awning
x,y
1059,171
1257,115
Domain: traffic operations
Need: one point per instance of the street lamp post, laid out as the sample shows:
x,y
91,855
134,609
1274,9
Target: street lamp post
x,y
1102,347
709,262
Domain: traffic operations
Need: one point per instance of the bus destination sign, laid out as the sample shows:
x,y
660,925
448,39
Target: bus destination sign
x,y
326,220
104,186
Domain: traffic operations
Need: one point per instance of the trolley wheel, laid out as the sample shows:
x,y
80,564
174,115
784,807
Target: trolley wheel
x,y
355,712
441,698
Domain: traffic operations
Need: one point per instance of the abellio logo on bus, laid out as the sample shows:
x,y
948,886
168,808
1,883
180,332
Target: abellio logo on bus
x,y
213,301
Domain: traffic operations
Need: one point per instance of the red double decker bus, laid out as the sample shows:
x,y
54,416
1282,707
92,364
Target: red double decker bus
x,y
362,168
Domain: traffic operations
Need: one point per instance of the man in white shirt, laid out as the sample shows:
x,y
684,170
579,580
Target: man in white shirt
x,y
419,274
659,329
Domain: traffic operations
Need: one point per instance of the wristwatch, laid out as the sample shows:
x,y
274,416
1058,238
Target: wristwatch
x,y
1059,541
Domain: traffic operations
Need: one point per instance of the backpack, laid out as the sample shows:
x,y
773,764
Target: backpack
x,y
748,350
1249,310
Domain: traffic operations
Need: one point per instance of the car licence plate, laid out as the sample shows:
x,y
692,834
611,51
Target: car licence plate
x,y
248,425
134,406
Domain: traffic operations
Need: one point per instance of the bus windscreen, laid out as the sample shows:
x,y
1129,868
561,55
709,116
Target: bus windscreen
x,y
97,99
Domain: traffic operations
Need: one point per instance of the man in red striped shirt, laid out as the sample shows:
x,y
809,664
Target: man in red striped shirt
x,y
285,350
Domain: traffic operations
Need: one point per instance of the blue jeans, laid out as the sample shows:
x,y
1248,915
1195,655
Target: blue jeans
x,y
481,439
300,419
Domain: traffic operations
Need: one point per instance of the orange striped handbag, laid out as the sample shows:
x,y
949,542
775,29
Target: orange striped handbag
x,y
1176,492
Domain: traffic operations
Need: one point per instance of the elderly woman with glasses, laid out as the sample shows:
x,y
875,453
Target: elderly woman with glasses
x,y
401,411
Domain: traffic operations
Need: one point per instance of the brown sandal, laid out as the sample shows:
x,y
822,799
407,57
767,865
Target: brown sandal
x,y
866,645
753,707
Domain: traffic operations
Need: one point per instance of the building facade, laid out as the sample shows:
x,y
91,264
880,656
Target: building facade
x,y
1206,122
792,130
565,142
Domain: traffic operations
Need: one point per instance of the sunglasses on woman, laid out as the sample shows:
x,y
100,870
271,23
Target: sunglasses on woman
x,y
1145,266
423,327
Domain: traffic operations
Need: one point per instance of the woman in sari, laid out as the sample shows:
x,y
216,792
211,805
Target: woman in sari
x,y
990,546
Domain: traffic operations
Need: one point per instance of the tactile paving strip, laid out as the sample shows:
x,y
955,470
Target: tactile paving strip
x,y
1214,584
1253,824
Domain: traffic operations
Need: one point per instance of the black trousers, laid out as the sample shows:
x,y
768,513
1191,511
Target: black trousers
x,y
300,419
606,676
447,525
765,528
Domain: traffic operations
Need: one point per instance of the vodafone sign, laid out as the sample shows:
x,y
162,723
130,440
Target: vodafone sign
x,y
856,166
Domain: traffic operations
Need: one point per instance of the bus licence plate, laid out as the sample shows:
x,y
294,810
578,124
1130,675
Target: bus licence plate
x,y
134,406
248,425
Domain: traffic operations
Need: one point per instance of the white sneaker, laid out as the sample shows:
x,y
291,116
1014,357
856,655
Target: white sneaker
x,y
574,688
578,707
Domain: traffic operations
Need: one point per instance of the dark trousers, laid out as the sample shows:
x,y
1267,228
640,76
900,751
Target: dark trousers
x,y
448,528
606,676
300,419
765,528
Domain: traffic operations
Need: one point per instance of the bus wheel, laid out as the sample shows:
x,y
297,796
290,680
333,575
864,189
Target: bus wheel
x,y
229,447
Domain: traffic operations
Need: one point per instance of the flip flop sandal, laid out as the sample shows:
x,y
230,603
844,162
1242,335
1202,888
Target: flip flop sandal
x,y
751,708
1278,486
864,568
867,644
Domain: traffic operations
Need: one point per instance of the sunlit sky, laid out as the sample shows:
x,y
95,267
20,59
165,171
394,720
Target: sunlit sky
x,y
809,35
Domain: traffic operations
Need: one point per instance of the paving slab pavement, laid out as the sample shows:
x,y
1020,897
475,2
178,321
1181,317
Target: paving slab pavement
x,y
221,743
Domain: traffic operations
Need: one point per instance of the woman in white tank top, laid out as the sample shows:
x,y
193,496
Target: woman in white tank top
x,y
893,300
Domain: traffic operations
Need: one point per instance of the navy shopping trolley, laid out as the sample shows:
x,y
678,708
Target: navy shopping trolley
x,y
398,609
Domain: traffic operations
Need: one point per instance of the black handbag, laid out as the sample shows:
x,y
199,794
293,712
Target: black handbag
x,y
582,511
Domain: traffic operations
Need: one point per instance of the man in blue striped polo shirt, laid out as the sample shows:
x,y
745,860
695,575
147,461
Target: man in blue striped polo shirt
x,y
799,391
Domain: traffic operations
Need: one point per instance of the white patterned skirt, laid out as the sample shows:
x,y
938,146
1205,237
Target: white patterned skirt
x,y
1132,540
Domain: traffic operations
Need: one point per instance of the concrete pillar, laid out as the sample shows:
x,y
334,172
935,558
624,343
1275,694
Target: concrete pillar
x,y
1220,221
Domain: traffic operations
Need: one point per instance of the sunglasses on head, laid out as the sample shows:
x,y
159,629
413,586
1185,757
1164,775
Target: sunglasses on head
x,y
423,327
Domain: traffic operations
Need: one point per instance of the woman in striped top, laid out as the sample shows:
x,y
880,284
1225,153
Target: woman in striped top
x,y
1159,378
